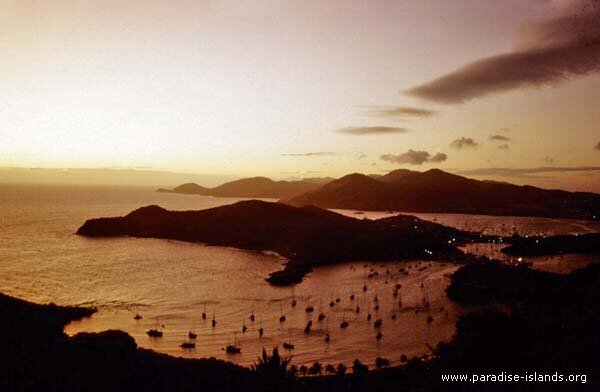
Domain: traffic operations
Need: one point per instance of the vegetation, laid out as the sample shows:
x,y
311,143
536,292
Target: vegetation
x,y
273,366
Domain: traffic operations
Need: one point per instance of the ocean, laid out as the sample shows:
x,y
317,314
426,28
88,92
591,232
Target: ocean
x,y
171,283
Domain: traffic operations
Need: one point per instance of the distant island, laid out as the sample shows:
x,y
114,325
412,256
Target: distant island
x,y
432,191
436,191
306,236
254,187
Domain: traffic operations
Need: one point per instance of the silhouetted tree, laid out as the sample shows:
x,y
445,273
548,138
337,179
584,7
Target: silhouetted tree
x,y
358,368
316,368
330,368
303,370
292,371
341,370
381,362
271,366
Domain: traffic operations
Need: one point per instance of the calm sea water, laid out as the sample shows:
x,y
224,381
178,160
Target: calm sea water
x,y
171,283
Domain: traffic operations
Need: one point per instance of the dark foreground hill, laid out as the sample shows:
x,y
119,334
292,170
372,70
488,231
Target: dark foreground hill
x,y
307,236
254,187
551,325
37,356
555,245
438,191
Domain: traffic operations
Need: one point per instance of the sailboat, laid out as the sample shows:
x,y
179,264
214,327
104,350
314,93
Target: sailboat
x,y
308,326
289,345
309,308
252,314
321,314
191,333
327,338
293,297
344,324
137,315
214,322
188,345
261,331
233,348
282,317
155,333
204,313
378,322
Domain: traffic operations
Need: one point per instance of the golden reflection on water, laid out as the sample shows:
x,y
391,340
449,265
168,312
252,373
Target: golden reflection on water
x,y
43,261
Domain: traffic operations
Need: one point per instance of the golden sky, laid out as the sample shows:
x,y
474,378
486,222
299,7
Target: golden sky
x,y
304,88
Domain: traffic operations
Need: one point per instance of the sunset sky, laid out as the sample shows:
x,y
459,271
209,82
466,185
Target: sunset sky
x,y
505,90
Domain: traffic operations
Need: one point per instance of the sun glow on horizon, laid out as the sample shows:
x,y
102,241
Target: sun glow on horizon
x,y
278,89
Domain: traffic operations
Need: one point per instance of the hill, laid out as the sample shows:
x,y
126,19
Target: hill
x,y
442,192
307,236
189,188
253,187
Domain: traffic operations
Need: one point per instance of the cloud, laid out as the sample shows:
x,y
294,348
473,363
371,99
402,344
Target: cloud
x,y
500,138
503,147
463,142
597,146
550,52
525,172
397,111
413,157
375,130
310,154
439,157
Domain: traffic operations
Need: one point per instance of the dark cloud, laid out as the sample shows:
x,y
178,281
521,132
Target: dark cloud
x,y
550,52
525,172
503,147
500,138
439,157
413,157
548,160
376,130
597,146
397,111
463,142
310,154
